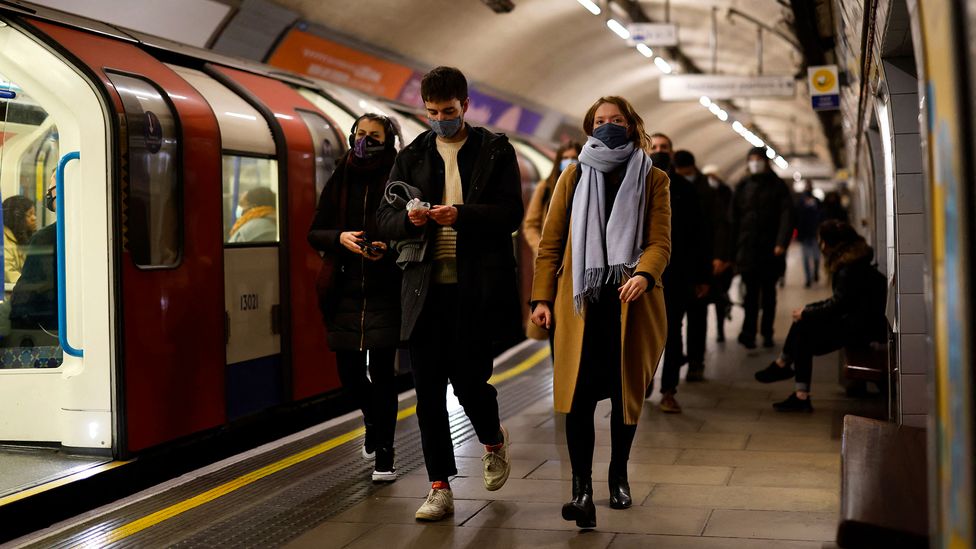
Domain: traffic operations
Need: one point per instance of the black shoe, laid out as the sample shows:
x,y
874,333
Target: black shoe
x,y
768,342
774,372
581,508
747,342
696,372
619,490
384,470
794,404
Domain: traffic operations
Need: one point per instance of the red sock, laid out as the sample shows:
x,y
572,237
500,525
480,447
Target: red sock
x,y
441,485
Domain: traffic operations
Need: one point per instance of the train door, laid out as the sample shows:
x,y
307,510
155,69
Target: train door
x,y
56,343
251,214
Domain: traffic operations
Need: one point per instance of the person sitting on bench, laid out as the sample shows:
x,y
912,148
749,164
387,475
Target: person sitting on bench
x,y
853,316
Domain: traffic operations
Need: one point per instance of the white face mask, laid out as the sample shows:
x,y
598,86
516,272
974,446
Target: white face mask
x,y
756,166
239,211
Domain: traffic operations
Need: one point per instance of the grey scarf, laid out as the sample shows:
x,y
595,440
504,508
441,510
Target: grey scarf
x,y
411,250
604,250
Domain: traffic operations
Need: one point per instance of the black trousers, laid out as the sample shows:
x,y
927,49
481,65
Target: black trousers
x,y
599,378
677,299
697,329
808,339
760,287
376,396
442,351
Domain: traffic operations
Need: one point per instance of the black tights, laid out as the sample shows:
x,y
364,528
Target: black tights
x,y
581,438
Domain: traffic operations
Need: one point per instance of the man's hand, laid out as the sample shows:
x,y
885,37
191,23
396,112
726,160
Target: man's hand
x,y
418,216
632,289
444,215
719,266
350,240
542,315
779,251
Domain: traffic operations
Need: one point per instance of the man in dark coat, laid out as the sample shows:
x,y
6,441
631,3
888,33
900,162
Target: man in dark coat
x,y
762,226
455,300
722,271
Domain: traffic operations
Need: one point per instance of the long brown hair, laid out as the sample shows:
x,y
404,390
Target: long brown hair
x,y
638,134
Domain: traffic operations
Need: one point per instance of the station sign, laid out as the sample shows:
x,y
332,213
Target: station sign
x,y
824,87
653,34
685,87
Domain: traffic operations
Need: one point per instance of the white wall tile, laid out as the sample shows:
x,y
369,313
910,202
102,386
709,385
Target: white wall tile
x,y
911,193
908,153
915,357
912,234
898,80
911,273
914,394
904,113
911,314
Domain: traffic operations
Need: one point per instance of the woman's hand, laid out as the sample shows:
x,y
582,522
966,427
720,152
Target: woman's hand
x,y
632,289
542,315
379,250
797,315
350,240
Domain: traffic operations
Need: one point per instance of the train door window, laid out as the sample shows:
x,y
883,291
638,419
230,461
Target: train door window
x,y
333,110
150,175
250,200
327,144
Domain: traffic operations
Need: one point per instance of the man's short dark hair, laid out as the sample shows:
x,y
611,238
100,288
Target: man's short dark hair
x,y
444,84
684,159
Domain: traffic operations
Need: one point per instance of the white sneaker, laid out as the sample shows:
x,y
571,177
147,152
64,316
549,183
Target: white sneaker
x,y
497,465
439,504
367,455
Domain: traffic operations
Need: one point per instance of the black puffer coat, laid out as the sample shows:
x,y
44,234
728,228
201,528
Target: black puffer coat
x,y
362,306
762,218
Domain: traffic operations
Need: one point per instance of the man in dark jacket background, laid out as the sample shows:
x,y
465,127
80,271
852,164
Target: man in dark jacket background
x,y
454,301
808,217
722,271
762,226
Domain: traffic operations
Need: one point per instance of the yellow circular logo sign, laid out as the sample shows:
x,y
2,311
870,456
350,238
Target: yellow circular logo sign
x,y
824,80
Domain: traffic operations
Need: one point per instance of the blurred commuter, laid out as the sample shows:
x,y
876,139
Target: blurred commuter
x,y
361,303
686,278
535,215
661,143
853,315
455,299
761,230
714,228
604,248
19,225
34,299
833,208
722,271
808,217
255,217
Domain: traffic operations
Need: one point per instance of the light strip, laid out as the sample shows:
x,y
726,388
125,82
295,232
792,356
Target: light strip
x,y
770,153
588,4
781,162
618,29
722,115
663,65
645,51
705,101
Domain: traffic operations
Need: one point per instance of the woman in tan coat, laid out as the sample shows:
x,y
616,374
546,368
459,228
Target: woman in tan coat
x,y
605,245
535,214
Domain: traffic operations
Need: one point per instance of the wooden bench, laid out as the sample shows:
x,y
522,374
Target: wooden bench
x,y
866,362
883,485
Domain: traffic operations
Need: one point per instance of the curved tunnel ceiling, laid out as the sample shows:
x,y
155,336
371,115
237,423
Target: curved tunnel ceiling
x,y
555,53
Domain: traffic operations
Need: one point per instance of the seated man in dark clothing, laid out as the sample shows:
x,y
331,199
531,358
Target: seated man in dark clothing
x,y
34,300
853,315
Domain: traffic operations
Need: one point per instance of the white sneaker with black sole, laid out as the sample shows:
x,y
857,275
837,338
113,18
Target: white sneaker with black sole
x,y
384,470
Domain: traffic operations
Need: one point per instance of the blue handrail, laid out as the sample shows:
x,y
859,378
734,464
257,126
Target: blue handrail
x,y
62,271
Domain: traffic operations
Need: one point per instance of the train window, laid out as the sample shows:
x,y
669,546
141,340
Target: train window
x,y
327,144
332,109
250,200
151,180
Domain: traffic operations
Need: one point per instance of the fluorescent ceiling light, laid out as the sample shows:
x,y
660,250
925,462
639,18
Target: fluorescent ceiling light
x,y
618,29
781,162
738,127
588,4
714,109
663,65
705,101
770,153
645,51
722,115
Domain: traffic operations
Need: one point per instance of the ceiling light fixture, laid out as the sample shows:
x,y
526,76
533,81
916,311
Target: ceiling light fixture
x,y
645,51
589,5
781,162
705,101
663,65
618,29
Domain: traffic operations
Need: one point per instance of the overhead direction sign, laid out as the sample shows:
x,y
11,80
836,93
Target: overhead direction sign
x,y
653,34
684,87
824,87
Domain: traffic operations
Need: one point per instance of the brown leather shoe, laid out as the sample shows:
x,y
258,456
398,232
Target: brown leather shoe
x,y
669,405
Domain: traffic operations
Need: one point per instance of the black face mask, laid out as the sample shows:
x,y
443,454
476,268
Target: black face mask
x,y
661,161
367,148
49,201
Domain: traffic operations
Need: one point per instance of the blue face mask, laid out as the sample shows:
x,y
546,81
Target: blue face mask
x,y
611,135
446,128
565,163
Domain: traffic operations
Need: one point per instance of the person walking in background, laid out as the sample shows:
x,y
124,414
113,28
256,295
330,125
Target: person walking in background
x,y
853,315
361,305
685,281
762,227
19,225
535,214
833,208
808,217
722,271
454,300
605,245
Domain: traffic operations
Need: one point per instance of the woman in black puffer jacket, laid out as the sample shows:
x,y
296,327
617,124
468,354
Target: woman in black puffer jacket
x,y
361,305
853,315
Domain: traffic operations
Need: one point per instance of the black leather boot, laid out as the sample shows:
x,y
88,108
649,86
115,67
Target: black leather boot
x,y
619,489
581,508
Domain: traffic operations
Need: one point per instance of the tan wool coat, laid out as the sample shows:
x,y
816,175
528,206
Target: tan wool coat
x,y
643,323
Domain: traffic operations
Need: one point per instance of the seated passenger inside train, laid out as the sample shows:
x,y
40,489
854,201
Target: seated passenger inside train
x,y
255,217
19,225
853,315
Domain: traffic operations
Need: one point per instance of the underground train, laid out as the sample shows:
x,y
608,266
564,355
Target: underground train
x,y
149,322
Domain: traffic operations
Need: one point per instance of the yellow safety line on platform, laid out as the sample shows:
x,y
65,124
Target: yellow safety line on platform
x,y
147,521
74,477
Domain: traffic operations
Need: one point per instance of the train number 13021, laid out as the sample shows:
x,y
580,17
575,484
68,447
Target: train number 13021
x,y
249,302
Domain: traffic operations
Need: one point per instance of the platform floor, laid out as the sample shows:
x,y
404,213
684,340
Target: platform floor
x,y
23,467
729,472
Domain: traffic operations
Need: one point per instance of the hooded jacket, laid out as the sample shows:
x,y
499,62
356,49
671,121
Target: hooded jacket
x,y
857,305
